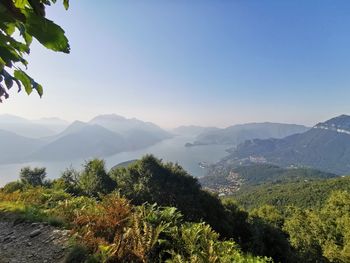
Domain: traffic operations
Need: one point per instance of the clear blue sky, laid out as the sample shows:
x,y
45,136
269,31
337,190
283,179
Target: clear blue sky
x,y
195,62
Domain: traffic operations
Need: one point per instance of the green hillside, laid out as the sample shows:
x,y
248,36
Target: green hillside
x,y
325,147
151,211
228,179
304,194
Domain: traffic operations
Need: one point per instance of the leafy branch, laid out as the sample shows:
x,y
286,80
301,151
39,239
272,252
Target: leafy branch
x,y
20,21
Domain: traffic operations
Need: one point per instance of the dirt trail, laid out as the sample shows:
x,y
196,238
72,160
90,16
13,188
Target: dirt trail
x,y
31,242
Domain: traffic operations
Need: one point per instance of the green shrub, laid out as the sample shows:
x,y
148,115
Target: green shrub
x,y
199,243
94,179
33,177
13,186
77,254
72,207
167,184
56,221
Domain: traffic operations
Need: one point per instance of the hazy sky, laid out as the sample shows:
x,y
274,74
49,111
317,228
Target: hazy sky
x,y
195,62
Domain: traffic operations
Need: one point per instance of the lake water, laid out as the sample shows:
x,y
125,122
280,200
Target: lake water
x,y
169,150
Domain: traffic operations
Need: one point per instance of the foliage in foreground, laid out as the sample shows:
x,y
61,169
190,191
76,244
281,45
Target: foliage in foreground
x,y
111,229
112,219
20,22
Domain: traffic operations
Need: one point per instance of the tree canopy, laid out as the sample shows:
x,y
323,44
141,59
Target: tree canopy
x,y
33,177
20,22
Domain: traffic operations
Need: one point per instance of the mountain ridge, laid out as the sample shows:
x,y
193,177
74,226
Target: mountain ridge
x,y
320,148
102,136
236,134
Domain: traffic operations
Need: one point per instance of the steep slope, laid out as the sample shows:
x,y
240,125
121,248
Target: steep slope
x,y
303,193
103,136
229,179
137,133
85,142
15,147
326,147
75,127
239,133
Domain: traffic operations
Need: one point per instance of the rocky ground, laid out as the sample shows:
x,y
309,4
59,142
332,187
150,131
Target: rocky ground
x,y
23,242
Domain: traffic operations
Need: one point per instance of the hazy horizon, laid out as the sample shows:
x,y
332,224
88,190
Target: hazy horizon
x,y
194,63
38,118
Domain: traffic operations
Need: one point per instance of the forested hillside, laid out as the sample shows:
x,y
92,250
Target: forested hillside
x,y
302,193
227,179
326,147
150,211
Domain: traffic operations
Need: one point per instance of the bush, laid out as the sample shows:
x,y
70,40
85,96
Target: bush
x,y
167,184
68,181
77,254
102,223
43,197
94,179
71,208
13,186
33,177
199,243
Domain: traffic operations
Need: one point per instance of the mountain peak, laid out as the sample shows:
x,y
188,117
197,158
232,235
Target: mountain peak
x,y
341,122
107,117
340,119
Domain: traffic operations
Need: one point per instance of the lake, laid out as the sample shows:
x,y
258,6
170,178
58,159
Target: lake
x,y
169,150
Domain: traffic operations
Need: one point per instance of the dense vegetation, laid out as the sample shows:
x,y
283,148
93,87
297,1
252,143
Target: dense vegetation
x,y
314,214
257,174
231,177
115,216
152,211
303,193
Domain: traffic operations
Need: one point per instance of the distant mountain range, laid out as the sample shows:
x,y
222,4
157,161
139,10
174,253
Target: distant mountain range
x,y
237,134
326,147
15,147
104,135
32,128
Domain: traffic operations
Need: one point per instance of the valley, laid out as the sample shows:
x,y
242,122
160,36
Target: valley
x,y
171,149
174,131
248,195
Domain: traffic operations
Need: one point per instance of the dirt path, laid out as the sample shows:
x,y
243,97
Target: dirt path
x,y
31,242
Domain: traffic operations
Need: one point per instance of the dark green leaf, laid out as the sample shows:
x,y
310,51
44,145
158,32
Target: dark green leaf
x,y
9,82
10,28
38,7
2,64
38,88
66,4
46,32
28,38
14,11
25,79
8,54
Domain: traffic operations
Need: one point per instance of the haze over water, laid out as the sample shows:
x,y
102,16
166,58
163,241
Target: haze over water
x,y
172,150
